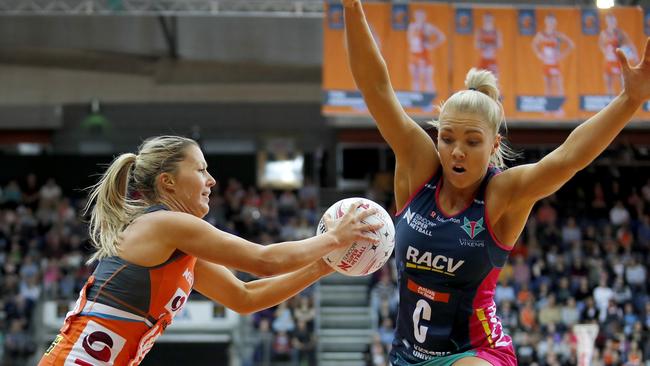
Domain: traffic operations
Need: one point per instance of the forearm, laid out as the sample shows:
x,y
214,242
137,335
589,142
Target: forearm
x,y
291,255
591,138
367,65
271,291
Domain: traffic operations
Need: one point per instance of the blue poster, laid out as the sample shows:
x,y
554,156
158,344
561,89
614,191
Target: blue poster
x,y
335,16
464,21
400,16
590,22
527,22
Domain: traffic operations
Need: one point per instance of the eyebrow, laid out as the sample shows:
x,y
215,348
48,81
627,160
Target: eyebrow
x,y
467,132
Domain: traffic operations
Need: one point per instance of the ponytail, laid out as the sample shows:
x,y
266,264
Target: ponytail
x,y
113,210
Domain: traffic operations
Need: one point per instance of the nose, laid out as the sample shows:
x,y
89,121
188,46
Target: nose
x,y
211,181
458,153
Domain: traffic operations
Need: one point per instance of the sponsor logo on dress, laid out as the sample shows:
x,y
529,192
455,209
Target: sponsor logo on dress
x,y
429,262
472,228
96,346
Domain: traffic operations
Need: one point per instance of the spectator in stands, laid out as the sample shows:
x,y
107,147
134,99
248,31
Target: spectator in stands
x,y
304,345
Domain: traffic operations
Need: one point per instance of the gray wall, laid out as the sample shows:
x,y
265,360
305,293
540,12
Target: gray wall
x,y
290,41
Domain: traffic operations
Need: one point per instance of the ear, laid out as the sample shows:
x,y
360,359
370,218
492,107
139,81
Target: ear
x,y
497,144
167,182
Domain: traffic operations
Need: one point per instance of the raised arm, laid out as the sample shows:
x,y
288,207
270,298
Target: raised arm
x,y
219,284
175,230
407,139
529,183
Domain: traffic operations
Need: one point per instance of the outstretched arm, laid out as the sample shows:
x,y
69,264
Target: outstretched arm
x,y
403,135
219,284
534,181
191,235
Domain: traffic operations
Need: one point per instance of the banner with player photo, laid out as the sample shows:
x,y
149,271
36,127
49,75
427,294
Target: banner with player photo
x,y
412,39
601,33
553,63
546,64
484,38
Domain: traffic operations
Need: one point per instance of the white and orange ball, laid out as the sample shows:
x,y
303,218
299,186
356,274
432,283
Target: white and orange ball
x,y
362,257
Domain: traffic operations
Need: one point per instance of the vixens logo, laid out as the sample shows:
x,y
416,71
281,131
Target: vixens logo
x,y
472,228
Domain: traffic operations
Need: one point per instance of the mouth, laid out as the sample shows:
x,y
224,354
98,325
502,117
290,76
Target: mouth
x,y
458,169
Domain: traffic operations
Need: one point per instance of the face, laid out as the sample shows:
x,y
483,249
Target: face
x,y
190,187
550,23
465,144
611,21
420,16
488,22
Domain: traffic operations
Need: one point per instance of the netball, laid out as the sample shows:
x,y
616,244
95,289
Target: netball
x,y
361,258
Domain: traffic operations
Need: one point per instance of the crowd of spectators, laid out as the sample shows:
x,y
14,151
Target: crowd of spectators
x,y
44,248
583,258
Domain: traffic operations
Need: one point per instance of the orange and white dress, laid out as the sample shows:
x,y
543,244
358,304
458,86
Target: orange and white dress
x,y
550,50
488,44
611,41
121,311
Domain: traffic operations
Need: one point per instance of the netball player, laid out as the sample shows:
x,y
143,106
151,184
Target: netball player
x,y
459,217
153,248
551,46
611,38
423,38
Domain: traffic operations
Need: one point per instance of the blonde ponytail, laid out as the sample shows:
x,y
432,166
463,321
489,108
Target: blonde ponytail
x,y
112,210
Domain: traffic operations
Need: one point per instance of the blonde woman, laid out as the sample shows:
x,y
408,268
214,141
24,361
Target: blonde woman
x,y
459,215
154,249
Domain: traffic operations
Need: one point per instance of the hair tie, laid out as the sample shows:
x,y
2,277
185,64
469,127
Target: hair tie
x,y
472,89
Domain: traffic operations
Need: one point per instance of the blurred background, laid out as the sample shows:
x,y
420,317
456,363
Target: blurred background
x,y
264,87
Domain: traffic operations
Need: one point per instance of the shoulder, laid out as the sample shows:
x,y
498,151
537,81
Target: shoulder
x,y
168,224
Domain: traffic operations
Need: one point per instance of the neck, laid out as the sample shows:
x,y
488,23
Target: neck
x,y
172,204
453,199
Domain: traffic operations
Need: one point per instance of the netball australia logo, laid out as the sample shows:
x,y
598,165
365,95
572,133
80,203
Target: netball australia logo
x,y
472,228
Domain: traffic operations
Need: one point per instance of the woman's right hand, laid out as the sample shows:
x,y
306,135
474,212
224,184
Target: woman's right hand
x,y
351,227
350,3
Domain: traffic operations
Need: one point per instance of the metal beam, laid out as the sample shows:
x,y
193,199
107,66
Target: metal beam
x,y
259,8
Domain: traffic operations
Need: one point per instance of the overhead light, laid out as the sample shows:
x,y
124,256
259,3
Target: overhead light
x,y
604,4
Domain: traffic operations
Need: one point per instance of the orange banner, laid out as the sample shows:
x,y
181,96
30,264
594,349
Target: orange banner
x,y
602,32
545,72
553,64
485,38
341,96
413,41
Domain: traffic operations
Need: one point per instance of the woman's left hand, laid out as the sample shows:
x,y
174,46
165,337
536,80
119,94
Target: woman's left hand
x,y
636,78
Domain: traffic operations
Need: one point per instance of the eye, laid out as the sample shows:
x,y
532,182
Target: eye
x,y
446,140
474,142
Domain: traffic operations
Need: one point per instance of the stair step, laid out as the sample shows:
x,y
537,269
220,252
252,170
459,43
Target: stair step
x,y
335,332
341,356
343,363
337,278
346,322
344,289
344,344
345,310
